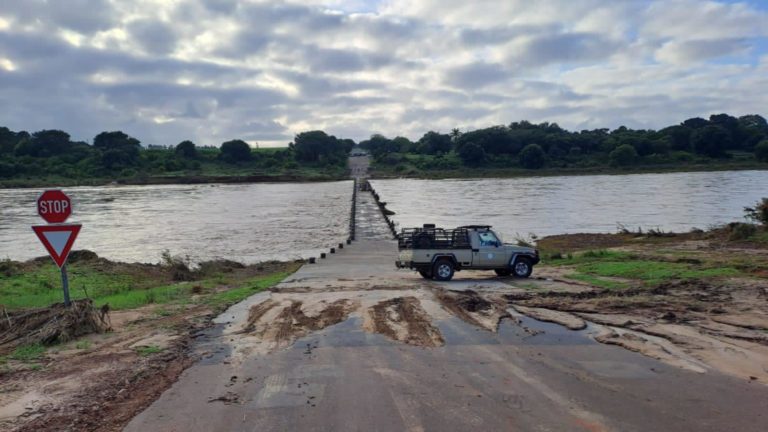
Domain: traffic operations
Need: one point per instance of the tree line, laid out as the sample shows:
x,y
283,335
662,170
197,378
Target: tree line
x,y
533,146
115,154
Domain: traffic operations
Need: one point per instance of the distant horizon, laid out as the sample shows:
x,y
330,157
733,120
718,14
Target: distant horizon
x,y
262,71
287,144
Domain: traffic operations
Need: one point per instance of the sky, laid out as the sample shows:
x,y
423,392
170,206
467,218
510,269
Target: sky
x,y
213,70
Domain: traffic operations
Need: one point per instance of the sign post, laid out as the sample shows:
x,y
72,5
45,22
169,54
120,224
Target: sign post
x,y
54,206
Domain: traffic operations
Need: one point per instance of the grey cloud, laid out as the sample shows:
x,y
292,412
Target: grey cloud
x,y
477,75
221,6
267,130
337,60
498,35
154,37
701,49
564,48
83,16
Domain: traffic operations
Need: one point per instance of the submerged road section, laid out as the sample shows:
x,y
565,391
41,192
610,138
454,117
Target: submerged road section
x,y
351,344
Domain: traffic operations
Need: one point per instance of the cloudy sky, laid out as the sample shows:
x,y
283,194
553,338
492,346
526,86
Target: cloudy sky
x,y
213,70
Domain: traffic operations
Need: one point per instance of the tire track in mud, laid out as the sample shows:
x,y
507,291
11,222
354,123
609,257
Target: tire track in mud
x,y
404,320
474,308
295,319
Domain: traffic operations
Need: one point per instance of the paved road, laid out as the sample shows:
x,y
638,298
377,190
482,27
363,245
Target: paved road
x,y
343,378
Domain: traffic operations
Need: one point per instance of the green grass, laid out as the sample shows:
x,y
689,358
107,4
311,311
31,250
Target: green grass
x,y
123,287
83,344
251,287
28,353
653,272
145,351
589,257
597,281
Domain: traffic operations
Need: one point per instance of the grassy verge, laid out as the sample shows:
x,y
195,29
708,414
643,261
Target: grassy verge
x,y
127,286
390,171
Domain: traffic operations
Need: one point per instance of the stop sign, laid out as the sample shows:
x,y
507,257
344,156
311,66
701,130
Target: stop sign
x,y
54,206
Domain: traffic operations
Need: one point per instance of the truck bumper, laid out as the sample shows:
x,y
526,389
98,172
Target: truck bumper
x,y
404,264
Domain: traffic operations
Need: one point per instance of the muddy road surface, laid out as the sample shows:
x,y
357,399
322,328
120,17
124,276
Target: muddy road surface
x,y
352,344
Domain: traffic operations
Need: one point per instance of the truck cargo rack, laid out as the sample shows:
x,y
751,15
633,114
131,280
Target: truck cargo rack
x,y
430,237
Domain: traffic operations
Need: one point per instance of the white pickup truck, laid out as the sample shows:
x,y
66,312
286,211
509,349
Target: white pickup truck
x,y
437,253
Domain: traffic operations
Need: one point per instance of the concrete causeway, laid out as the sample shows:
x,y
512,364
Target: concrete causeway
x,y
352,344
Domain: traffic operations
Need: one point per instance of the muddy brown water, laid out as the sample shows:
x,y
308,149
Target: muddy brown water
x,y
242,222
571,204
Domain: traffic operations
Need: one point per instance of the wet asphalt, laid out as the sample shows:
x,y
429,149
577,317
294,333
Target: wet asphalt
x,y
545,378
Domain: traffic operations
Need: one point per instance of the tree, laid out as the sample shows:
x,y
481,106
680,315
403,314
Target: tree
x,y
455,134
679,137
761,151
115,140
623,155
44,143
436,143
711,141
118,150
318,146
235,151
695,123
471,154
532,156
186,149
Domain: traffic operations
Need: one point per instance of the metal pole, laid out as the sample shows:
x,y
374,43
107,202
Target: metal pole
x,y
65,284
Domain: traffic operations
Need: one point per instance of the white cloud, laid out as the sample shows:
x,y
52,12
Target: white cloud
x,y
213,70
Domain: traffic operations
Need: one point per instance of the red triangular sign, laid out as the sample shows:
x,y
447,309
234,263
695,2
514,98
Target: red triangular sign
x,y
58,240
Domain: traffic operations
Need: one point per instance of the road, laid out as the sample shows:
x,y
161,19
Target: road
x,y
527,376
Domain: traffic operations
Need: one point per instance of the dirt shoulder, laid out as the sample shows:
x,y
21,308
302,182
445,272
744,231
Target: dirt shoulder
x,y
101,380
696,300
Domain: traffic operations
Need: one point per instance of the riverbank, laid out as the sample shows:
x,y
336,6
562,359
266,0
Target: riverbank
x,y
299,177
388,172
99,381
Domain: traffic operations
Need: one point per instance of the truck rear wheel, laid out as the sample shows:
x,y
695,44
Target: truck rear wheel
x,y
443,270
426,274
522,267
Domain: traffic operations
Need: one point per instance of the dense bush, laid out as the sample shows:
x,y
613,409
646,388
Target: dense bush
x,y
623,155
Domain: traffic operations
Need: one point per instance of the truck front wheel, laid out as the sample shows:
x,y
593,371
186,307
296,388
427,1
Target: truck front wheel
x,y
443,270
522,267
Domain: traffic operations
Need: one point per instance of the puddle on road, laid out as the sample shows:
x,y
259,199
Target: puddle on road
x,y
529,331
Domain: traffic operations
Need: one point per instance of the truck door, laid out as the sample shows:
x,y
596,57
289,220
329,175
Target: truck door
x,y
487,251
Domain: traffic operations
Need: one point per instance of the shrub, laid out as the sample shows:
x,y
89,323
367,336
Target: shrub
x,y
623,155
761,151
741,231
532,156
758,213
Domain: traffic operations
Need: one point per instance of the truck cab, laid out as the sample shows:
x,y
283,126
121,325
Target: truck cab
x,y
436,253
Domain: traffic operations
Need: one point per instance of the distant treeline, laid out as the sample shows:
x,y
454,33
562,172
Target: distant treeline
x,y
547,145
52,154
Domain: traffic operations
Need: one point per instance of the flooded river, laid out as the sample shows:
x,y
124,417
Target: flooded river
x,y
242,222
556,205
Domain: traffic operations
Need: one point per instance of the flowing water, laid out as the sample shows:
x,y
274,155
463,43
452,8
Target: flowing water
x,y
242,222
595,203
257,222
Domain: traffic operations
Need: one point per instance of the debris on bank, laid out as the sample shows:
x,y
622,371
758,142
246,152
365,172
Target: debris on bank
x,y
51,325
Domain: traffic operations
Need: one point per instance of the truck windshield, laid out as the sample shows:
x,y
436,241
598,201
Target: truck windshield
x,y
487,238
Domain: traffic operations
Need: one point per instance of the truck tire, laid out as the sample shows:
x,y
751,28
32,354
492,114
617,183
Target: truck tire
x,y
503,272
443,270
522,267
426,274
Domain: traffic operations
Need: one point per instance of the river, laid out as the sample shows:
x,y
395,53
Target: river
x,y
572,204
242,222
263,221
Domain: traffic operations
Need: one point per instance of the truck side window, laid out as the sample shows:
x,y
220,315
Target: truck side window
x,y
488,239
